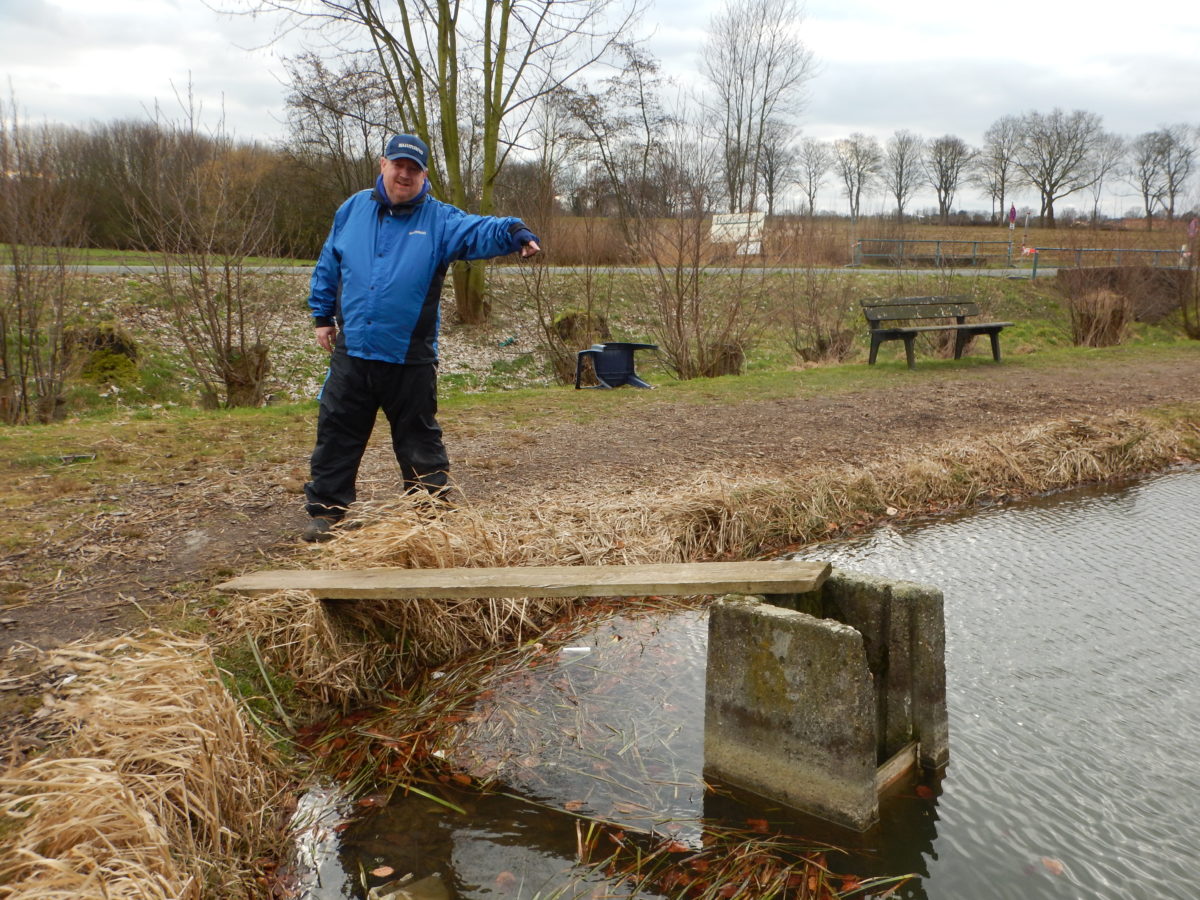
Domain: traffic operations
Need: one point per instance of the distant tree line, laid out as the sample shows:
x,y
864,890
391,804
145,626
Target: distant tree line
x,y
599,150
1057,154
502,93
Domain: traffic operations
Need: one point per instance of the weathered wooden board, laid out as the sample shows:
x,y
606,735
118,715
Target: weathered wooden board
x,y
772,577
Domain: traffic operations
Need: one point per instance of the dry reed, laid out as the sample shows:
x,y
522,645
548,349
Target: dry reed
x,y
160,789
1099,318
343,653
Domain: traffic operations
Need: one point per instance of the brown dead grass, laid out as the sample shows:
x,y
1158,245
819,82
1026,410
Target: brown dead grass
x,y
160,790
343,653
795,240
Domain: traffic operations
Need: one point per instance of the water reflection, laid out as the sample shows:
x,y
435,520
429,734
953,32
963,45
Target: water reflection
x,y
1072,633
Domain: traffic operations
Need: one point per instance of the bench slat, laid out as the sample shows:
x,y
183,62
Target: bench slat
x,y
978,327
930,311
769,577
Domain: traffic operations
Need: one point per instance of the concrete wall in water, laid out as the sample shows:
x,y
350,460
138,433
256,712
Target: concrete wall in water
x,y
808,696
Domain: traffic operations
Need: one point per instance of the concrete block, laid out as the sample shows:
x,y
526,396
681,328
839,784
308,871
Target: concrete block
x,y
904,633
789,710
809,695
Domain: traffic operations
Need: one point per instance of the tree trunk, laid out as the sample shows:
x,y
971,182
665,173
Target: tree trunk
x,y
470,292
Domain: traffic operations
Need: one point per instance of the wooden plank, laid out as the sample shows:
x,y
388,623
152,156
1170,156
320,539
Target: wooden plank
x,y
929,311
916,300
902,762
771,577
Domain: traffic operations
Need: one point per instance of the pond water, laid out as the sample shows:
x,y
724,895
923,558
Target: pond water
x,y
1073,640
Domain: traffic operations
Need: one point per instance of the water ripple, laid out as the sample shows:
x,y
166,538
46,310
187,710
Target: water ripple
x,y
1073,628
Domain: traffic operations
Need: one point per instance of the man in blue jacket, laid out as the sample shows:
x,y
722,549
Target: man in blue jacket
x,y
375,300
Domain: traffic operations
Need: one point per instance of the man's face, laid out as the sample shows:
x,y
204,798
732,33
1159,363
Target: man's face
x,y
402,179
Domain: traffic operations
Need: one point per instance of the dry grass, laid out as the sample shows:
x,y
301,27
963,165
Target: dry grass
x,y
159,790
343,653
794,240
1099,318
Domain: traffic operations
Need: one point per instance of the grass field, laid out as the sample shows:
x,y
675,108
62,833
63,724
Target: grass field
x,y
570,240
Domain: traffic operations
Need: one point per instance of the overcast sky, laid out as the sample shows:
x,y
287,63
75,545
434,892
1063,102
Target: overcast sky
x,y
931,66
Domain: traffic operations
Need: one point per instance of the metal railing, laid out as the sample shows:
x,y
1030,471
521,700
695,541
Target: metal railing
x,y
1116,256
935,252
976,253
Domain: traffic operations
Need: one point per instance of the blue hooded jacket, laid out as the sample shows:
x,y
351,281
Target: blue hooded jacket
x,y
381,270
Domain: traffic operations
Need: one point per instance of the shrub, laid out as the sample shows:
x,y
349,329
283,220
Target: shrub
x,y
1153,293
1099,318
109,367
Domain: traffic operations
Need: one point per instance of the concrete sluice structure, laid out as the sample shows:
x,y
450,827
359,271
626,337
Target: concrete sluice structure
x,y
819,701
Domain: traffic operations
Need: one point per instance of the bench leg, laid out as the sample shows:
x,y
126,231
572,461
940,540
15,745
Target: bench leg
x,y
909,352
961,338
875,342
995,336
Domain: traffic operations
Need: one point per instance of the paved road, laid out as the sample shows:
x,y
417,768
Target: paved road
x,y
305,271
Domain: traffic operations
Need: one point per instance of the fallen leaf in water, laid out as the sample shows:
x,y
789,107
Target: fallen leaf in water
x,y
461,778
925,792
506,881
383,871
574,805
676,847
1053,866
373,800
759,826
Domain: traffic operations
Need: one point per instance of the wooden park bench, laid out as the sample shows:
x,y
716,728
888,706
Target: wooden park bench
x,y
774,577
882,316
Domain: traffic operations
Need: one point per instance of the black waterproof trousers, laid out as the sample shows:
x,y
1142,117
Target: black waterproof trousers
x,y
354,392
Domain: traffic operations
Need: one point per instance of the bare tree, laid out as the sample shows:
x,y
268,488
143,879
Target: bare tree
x,y
205,213
1147,159
105,166
39,223
612,137
664,175
1178,158
556,147
813,159
858,161
778,163
947,162
1107,158
702,321
1055,154
620,127
460,72
758,67
338,119
902,169
996,172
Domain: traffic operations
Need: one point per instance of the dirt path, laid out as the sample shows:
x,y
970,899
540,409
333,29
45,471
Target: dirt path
x,y
208,525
